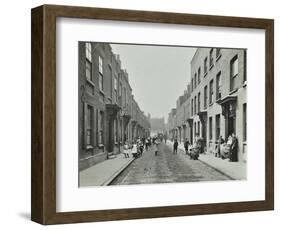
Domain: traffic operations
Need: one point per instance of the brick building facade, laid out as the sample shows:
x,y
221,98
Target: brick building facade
x,y
215,102
108,114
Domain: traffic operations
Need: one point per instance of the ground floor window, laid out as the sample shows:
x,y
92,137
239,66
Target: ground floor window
x,y
210,128
89,129
218,128
115,131
121,131
244,122
195,128
101,127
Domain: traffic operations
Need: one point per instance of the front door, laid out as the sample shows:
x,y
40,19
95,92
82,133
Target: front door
x,y
230,126
191,134
110,135
204,131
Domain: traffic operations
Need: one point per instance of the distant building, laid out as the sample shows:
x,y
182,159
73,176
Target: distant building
x,y
157,125
171,124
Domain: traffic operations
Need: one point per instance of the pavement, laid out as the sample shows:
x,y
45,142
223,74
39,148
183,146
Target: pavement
x,y
234,170
103,173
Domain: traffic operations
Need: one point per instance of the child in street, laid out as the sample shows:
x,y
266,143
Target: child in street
x,y
126,150
176,146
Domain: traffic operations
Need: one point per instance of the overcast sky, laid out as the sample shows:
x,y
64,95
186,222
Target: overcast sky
x,y
158,75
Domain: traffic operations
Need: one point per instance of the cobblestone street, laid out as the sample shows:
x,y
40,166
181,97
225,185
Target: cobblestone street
x,y
166,168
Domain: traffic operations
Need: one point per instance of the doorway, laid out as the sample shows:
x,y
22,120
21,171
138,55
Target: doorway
x,y
230,125
110,135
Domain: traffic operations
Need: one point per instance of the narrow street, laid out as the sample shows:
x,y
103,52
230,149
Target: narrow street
x,y
166,167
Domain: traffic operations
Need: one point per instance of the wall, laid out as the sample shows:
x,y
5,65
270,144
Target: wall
x,y
15,115
213,108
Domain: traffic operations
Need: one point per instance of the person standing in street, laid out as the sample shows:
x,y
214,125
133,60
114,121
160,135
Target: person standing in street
x,y
228,145
126,150
146,144
176,146
135,150
143,140
220,142
234,149
157,142
186,145
165,138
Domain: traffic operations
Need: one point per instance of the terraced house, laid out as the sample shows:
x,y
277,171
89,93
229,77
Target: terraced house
x,y
215,102
108,113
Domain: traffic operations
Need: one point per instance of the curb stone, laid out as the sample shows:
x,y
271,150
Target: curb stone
x,y
110,179
218,170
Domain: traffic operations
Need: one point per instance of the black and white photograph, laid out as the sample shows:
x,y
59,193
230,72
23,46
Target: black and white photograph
x,y
161,114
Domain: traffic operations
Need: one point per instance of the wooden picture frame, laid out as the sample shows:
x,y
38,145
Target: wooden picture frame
x,y
43,205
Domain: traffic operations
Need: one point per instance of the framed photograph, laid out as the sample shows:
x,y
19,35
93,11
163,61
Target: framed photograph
x,y
139,114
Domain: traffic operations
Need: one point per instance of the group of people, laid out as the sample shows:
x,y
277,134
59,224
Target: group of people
x,y
136,149
176,144
227,149
223,149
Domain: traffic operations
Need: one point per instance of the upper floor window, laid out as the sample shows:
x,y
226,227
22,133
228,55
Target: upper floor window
x,y
88,47
192,107
218,52
100,73
233,73
211,60
191,84
195,80
111,80
100,64
211,91
245,65
115,86
218,86
124,96
205,96
88,70
195,101
205,65
120,89
198,104
199,75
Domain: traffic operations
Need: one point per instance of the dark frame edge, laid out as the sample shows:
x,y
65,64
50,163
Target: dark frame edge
x,y
158,212
43,110
269,113
37,189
